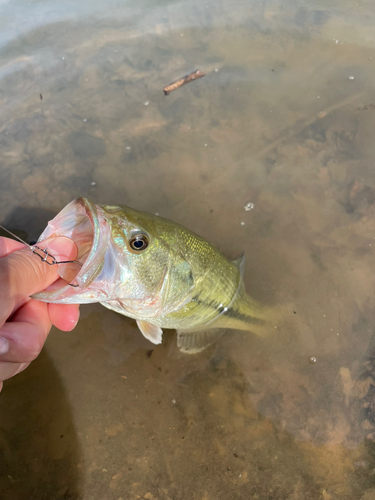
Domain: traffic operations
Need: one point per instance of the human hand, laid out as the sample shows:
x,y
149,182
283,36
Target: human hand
x,y
25,322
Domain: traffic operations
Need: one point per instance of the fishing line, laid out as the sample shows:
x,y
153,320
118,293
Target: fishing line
x,y
43,253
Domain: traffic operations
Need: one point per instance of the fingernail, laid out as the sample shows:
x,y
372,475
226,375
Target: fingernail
x,y
4,345
62,248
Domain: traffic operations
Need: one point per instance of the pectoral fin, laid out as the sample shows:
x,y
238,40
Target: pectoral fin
x,y
194,342
152,333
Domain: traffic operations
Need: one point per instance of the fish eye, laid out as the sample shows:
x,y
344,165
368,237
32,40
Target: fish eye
x,y
139,242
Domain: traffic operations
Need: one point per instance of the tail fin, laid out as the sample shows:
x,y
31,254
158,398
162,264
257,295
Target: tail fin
x,y
244,313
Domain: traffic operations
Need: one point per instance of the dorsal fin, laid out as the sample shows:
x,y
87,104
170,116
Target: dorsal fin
x,y
239,262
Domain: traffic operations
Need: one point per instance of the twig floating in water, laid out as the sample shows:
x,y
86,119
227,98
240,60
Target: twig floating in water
x,y
182,81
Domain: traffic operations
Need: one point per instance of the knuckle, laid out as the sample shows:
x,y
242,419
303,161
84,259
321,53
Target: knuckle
x,y
33,347
36,349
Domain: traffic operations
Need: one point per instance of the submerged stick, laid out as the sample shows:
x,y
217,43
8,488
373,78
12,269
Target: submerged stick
x,y
182,81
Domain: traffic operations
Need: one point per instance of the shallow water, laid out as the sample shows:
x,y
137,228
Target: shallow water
x,y
284,119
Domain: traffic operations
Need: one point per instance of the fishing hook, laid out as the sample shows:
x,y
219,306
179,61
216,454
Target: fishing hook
x,y
43,254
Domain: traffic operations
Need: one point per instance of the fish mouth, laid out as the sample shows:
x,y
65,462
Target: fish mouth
x,y
84,223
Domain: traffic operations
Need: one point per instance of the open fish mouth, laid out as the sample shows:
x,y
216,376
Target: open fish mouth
x,y
84,223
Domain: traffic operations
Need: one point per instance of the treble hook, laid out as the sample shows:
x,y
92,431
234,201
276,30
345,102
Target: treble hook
x,y
43,253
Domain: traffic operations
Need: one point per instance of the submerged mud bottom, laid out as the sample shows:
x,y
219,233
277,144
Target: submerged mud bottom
x,y
202,399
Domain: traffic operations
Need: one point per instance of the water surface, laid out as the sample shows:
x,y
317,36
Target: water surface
x,y
284,119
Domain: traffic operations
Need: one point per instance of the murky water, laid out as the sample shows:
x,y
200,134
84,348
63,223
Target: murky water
x,y
284,119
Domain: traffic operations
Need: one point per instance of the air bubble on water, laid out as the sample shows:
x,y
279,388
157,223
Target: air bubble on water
x,y
351,77
174,401
312,360
93,183
128,148
242,223
63,58
249,206
147,103
182,34
336,42
85,119
157,213
216,70
206,144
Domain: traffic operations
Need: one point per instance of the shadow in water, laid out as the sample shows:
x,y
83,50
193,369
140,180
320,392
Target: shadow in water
x,y
27,223
38,444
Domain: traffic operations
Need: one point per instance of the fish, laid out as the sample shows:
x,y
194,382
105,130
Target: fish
x,y
182,81
155,271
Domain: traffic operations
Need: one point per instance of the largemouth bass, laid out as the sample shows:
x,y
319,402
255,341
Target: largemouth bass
x,y
155,271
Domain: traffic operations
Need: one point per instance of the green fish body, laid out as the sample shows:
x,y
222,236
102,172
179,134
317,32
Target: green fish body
x,y
155,271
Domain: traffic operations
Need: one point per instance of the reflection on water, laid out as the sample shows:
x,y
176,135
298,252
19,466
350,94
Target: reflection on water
x,y
284,119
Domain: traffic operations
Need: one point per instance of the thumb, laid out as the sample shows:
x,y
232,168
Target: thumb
x,y
22,273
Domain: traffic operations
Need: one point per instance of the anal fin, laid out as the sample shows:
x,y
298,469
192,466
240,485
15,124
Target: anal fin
x,y
193,342
153,333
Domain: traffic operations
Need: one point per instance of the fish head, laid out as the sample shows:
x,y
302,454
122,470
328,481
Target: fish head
x,y
126,255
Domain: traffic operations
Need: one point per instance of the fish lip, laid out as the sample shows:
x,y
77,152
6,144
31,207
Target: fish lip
x,y
89,271
83,278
